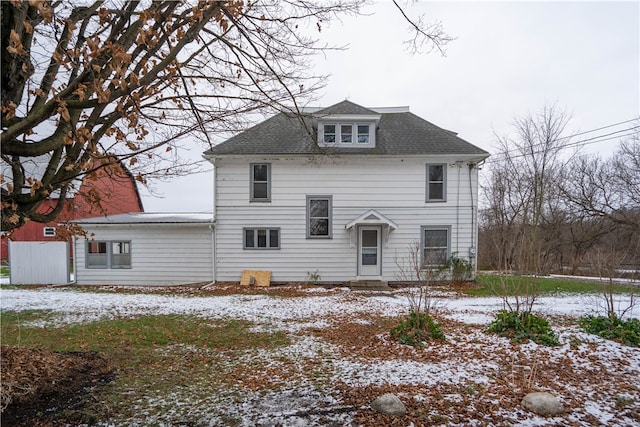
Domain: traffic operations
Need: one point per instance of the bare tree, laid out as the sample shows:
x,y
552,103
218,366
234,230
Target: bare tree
x,y
521,188
608,188
416,269
88,85
606,262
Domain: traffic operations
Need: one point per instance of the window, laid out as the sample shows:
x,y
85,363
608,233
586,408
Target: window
x,y
329,133
97,255
319,217
435,246
261,238
363,134
49,231
120,254
107,254
346,134
260,182
436,189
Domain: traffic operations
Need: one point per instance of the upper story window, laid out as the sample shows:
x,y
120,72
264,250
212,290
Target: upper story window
x,y
363,134
341,134
49,231
436,183
346,134
260,187
330,133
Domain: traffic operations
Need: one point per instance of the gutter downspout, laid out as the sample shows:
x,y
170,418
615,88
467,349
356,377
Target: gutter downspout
x,y
214,251
459,165
75,262
474,225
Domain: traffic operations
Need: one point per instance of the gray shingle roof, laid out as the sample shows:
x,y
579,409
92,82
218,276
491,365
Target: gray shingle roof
x,y
401,133
345,107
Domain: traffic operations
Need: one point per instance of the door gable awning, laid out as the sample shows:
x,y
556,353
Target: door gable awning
x,y
371,217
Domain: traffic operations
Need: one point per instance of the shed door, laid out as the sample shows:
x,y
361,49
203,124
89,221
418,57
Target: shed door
x,y
369,251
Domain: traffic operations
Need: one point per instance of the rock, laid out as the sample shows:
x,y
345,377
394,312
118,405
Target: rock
x,y
389,404
542,403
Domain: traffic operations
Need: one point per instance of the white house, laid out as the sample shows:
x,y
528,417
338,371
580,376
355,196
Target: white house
x,y
340,194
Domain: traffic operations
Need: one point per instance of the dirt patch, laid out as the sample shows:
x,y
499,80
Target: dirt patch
x,y
37,384
289,290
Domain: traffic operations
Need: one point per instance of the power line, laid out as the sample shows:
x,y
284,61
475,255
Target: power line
x,y
593,140
590,131
602,136
600,128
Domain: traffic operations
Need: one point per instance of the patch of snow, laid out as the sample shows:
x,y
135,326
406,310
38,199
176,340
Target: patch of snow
x,y
469,355
408,372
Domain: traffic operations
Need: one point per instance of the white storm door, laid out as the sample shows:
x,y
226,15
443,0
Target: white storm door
x,y
369,251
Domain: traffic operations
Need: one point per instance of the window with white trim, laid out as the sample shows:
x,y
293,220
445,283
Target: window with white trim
x,y
329,134
49,231
260,187
345,134
319,217
363,134
436,188
261,238
435,245
108,254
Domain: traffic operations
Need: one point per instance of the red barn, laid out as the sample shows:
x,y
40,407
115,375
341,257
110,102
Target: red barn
x,y
116,191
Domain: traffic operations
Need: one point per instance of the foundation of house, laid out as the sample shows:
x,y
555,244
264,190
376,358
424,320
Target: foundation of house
x,y
369,285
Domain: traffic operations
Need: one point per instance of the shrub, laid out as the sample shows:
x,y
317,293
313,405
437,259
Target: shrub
x,y
613,328
461,269
523,325
416,329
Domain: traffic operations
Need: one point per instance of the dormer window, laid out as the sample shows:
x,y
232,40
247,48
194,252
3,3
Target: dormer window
x,y
355,135
329,134
346,134
363,134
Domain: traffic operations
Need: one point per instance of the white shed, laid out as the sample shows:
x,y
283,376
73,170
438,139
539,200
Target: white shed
x,y
146,249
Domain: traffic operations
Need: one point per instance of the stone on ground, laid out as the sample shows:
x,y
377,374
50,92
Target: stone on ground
x,y
542,403
389,404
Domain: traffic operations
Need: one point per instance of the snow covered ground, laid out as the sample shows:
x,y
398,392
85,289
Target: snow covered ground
x,y
598,381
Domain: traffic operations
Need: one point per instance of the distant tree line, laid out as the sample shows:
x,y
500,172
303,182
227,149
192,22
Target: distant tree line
x,y
550,210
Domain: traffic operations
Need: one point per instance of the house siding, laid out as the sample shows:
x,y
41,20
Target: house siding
x,y
393,186
161,254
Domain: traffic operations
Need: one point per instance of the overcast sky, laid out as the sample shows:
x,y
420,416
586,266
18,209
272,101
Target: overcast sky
x,y
509,59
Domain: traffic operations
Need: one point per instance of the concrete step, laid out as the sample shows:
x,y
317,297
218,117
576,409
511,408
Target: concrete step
x,y
369,285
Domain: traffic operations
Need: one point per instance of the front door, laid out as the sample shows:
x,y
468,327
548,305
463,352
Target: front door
x,y
369,251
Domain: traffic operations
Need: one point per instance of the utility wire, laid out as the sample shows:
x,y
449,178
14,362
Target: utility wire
x,y
588,141
593,130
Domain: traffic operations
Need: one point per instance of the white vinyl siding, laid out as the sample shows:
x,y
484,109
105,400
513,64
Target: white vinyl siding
x,y
393,186
164,254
